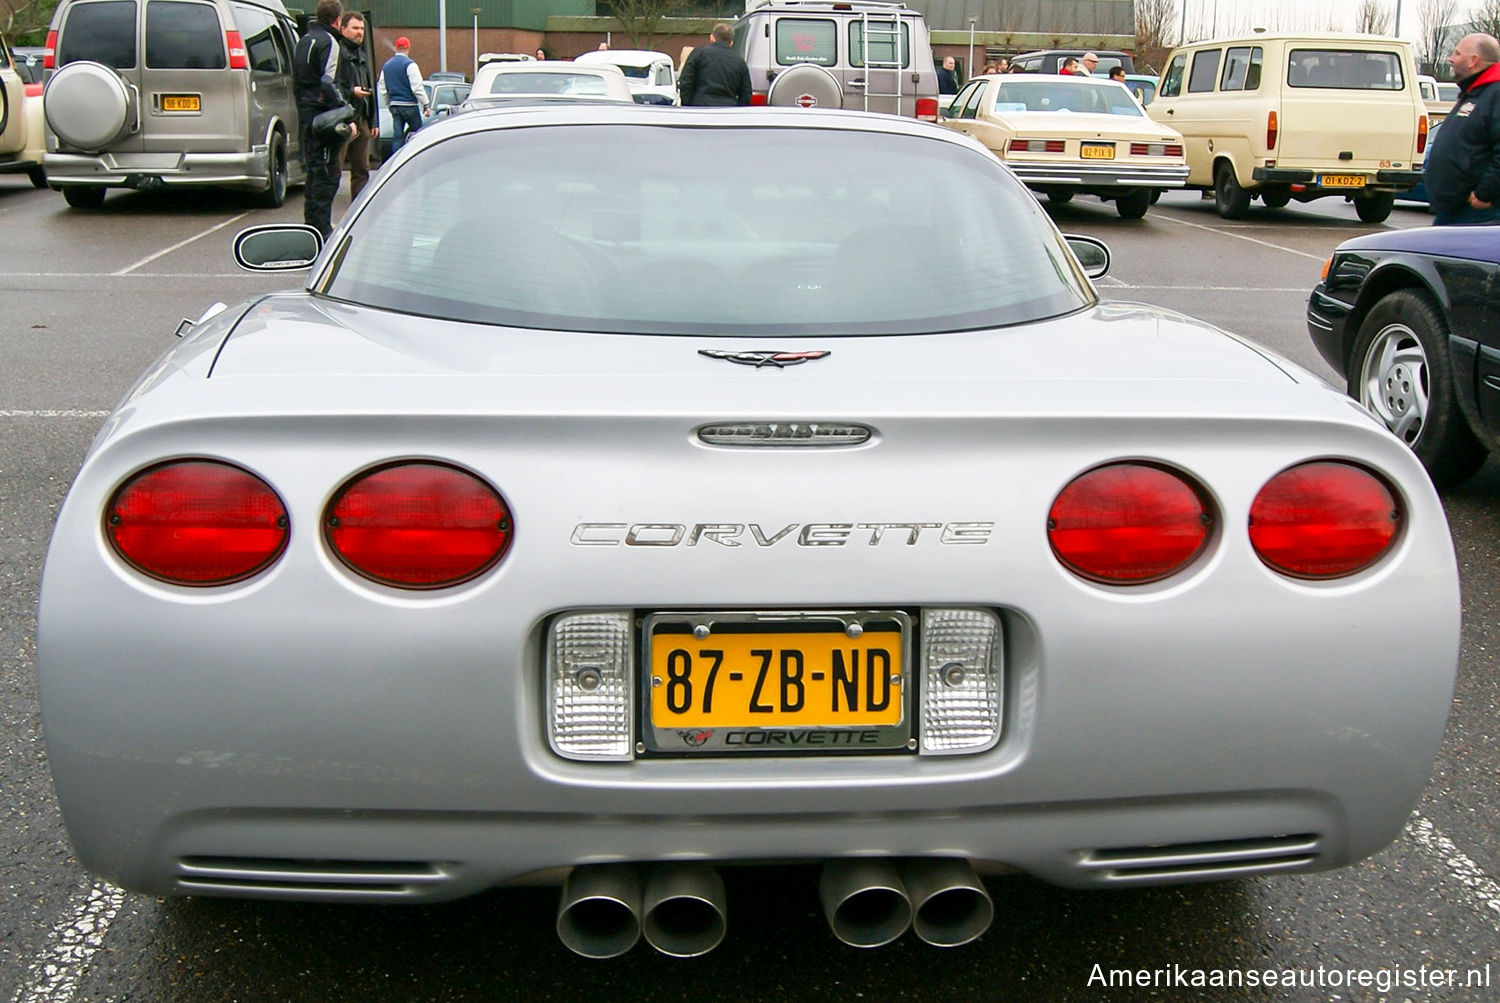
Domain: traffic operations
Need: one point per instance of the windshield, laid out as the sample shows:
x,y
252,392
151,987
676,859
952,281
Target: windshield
x,y
530,82
673,230
1047,95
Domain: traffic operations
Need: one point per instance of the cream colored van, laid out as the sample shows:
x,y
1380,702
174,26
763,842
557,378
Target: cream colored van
x,y
1297,116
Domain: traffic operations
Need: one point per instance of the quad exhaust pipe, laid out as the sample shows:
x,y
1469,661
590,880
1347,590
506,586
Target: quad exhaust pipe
x,y
871,902
606,908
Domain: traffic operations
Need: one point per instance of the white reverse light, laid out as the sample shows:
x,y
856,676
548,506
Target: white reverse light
x,y
962,680
590,667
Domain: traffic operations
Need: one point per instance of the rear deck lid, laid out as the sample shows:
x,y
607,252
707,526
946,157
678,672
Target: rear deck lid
x,y
1348,107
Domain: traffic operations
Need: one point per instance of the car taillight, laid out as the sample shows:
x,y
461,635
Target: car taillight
x,y
1038,145
1324,519
1271,130
49,52
1155,150
927,109
1422,134
418,525
238,58
1128,523
197,522
758,98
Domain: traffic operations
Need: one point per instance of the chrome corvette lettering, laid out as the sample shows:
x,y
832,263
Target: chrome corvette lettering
x,y
861,736
811,534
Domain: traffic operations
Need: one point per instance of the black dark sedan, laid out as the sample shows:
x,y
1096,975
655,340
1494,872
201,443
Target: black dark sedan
x,y
1409,317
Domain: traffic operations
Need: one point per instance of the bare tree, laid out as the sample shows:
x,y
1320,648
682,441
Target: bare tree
x,y
1434,18
19,18
1374,18
641,20
1485,17
1155,31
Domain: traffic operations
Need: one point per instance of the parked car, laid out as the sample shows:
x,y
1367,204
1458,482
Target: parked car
x,y
1143,86
505,57
21,128
28,62
860,56
1418,193
443,96
1439,98
650,75
1405,317
193,94
1299,116
874,538
451,77
502,83
1072,135
1051,60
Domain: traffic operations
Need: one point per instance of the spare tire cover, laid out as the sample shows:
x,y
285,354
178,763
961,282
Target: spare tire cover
x,y
805,86
87,105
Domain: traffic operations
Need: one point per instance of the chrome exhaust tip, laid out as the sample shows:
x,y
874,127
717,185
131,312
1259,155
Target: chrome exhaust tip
x,y
865,901
599,914
683,910
950,905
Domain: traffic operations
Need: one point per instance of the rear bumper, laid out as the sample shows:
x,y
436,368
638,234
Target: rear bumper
x,y
1099,175
1379,181
247,169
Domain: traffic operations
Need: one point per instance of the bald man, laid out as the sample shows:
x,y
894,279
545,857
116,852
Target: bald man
x,y
1463,165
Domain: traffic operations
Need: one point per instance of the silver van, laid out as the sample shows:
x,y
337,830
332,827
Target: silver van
x,y
157,94
862,56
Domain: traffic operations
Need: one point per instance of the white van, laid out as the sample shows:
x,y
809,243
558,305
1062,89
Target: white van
x,y
1297,116
649,74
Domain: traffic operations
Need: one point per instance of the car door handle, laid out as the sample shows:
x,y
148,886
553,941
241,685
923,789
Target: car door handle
x,y
1171,111
858,82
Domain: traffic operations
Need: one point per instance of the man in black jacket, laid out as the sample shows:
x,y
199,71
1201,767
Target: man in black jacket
x,y
315,72
714,74
358,85
1463,166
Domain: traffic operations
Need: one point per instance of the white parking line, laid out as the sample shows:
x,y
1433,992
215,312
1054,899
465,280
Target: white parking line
x,y
54,977
1484,889
69,413
1238,236
180,244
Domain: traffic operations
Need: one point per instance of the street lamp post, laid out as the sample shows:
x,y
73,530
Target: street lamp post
x,y
443,35
969,66
475,11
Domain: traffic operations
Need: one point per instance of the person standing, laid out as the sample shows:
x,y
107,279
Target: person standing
x,y
1090,60
947,78
358,85
1463,167
401,83
714,74
315,72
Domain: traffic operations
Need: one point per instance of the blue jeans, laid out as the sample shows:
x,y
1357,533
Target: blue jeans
x,y
405,120
1467,216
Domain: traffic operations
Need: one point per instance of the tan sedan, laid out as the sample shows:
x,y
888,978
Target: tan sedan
x,y
1072,135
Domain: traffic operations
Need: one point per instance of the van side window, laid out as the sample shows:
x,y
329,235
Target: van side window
x,y
255,27
806,40
1205,71
881,43
1241,69
102,32
1345,69
1171,81
971,104
183,36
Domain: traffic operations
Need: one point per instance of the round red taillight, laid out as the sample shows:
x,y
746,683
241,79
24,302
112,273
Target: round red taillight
x,y
1323,520
418,525
197,522
1128,523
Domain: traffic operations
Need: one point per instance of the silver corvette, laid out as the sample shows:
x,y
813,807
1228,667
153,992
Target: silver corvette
x,y
631,493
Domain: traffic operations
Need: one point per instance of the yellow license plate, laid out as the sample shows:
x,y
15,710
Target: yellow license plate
x,y
777,675
1342,180
1097,151
181,102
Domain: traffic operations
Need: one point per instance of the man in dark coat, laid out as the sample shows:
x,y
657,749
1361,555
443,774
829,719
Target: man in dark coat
x,y
358,84
315,71
947,76
714,74
1463,166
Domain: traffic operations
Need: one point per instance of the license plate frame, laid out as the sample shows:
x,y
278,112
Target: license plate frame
x,y
730,728
182,103
1096,151
1341,180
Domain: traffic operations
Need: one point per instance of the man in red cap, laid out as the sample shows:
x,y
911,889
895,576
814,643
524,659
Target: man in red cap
x,y
401,87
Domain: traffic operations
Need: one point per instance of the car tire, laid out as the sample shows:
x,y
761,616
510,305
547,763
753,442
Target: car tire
x,y
1374,208
1400,372
276,176
83,196
1276,198
1133,205
38,177
1059,195
1232,201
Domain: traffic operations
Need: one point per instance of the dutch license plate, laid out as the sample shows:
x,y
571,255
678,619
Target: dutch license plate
x,y
181,102
805,680
1341,180
1097,151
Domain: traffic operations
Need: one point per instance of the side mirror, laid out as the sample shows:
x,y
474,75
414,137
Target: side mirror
x,y
277,247
1092,254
